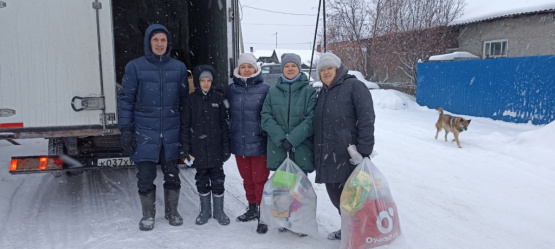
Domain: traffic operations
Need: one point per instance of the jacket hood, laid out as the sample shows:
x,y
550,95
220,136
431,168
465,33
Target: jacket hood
x,y
196,74
256,78
236,73
148,34
196,78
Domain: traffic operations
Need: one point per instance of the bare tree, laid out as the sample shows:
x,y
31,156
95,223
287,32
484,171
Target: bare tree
x,y
348,28
393,34
418,28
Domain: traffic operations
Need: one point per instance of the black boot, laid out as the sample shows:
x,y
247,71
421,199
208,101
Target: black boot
x,y
149,210
205,209
261,228
251,214
219,213
171,199
335,235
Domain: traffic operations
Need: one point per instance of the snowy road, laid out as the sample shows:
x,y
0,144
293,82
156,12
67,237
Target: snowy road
x,y
498,191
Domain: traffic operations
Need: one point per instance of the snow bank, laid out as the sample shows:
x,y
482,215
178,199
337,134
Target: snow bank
x,y
392,99
542,137
453,56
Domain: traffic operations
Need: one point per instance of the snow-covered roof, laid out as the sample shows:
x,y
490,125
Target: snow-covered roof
x,y
453,56
480,10
305,54
262,53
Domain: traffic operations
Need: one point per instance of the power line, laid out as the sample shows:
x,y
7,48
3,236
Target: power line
x,y
277,24
278,12
294,43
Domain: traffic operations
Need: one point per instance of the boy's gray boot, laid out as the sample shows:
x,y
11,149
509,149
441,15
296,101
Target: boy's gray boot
x,y
205,208
171,199
149,210
219,213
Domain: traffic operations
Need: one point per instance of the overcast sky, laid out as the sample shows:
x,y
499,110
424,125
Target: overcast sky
x,y
293,31
294,20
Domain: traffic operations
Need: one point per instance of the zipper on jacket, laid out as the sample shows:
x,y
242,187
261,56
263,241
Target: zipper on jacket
x,y
161,101
243,125
289,109
325,98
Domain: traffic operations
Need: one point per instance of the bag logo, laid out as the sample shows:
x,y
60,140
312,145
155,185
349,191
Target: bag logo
x,y
384,230
385,215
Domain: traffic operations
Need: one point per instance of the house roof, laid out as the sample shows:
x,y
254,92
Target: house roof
x,y
480,10
263,53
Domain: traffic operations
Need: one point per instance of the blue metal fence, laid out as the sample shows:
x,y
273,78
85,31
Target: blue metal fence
x,y
516,90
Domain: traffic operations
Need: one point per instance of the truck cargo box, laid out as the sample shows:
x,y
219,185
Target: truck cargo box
x,y
61,65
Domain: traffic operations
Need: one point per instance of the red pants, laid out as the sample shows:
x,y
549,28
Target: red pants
x,y
255,174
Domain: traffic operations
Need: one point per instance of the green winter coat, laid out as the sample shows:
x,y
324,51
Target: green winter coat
x,y
287,113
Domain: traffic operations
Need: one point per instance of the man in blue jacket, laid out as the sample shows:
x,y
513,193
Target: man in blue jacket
x,y
154,89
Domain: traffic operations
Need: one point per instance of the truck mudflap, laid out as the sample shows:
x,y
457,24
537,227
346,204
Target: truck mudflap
x,y
64,163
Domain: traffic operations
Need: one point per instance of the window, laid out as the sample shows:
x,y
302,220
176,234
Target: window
x,y
451,50
495,49
271,69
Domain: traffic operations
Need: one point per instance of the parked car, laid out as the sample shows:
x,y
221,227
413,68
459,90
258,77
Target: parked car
x,y
271,73
371,85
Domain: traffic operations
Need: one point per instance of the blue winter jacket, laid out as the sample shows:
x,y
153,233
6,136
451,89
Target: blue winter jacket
x,y
245,103
153,90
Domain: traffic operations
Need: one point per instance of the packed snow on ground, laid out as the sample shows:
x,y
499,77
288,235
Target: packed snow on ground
x,y
495,192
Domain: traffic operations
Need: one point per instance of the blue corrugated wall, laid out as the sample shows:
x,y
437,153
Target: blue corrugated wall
x,y
516,90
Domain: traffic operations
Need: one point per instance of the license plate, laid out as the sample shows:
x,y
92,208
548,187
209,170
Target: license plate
x,y
115,162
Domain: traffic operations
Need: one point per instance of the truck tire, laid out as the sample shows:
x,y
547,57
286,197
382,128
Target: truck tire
x,y
56,147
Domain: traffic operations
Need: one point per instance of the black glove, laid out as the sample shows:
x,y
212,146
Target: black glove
x,y
184,155
227,156
286,145
128,139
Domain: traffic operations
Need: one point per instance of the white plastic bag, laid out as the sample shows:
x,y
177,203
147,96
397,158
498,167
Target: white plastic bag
x,y
289,201
369,215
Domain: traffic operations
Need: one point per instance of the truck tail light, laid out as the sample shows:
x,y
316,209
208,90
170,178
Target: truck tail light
x,y
35,163
42,163
13,165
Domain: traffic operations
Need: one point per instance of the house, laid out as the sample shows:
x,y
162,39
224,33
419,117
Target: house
x,y
512,30
274,56
265,56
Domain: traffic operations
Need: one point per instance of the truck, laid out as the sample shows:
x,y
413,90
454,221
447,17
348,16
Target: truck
x,y
62,62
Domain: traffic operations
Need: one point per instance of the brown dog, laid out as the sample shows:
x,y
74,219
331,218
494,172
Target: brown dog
x,y
451,124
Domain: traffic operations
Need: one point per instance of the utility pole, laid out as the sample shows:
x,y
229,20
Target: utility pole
x,y
325,48
276,39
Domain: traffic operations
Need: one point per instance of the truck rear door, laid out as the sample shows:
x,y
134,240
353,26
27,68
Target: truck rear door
x,y
56,66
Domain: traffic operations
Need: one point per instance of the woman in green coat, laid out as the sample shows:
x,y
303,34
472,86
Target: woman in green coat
x,y
287,117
